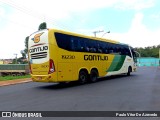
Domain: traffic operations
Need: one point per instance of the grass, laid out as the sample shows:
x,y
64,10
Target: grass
x,y
13,77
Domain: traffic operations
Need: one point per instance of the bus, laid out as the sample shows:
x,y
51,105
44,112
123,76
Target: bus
x,y
61,56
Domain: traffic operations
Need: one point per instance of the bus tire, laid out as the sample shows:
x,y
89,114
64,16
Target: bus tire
x,y
129,71
93,75
83,76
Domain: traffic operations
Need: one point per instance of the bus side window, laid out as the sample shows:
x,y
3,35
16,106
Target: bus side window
x,y
73,44
99,50
122,51
82,42
92,45
111,50
76,44
87,49
106,50
93,49
99,47
119,51
127,51
63,41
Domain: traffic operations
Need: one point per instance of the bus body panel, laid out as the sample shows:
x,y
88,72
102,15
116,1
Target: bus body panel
x,y
69,64
40,50
119,66
45,53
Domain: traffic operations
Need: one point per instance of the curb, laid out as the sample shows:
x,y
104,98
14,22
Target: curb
x,y
13,82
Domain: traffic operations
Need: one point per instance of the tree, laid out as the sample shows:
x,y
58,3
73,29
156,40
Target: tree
x,y
25,51
23,54
151,51
42,26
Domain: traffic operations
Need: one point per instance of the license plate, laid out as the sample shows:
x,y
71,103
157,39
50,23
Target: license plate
x,y
39,78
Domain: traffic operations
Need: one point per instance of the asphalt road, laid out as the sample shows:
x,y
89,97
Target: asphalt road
x,y
138,92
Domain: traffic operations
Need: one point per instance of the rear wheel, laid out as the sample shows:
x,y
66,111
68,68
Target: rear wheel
x,y
93,76
83,76
129,71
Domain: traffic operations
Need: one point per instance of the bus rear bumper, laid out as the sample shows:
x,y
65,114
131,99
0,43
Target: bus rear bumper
x,y
43,78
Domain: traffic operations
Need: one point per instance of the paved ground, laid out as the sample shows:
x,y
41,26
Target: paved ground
x,y
138,92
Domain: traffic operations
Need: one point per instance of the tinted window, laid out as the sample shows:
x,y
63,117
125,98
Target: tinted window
x,y
79,44
63,41
127,51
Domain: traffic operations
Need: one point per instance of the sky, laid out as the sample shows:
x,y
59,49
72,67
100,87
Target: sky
x,y
134,22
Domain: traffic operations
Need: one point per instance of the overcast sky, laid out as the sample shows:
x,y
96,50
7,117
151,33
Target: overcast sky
x,y
135,22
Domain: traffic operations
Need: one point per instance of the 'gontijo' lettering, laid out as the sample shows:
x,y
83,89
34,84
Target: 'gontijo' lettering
x,y
38,49
95,57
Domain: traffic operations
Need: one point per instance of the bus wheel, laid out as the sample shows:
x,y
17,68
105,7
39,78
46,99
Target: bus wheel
x,y
129,71
93,76
82,77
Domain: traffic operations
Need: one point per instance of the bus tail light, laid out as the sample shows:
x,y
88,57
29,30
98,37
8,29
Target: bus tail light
x,y
51,67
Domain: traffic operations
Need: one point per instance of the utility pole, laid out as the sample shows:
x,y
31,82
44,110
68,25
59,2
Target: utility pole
x,y
105,33
95,32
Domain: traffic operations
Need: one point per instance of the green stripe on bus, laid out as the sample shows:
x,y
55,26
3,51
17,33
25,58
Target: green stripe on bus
x,y
117,63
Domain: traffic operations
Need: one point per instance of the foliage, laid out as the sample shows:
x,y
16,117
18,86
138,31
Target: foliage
x,y
20,60
25,51
26,46
42,26
152,51
13,77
